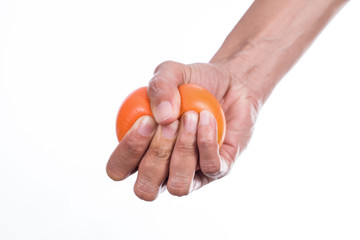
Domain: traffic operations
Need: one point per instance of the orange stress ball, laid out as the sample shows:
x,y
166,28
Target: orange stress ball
x,y
193,98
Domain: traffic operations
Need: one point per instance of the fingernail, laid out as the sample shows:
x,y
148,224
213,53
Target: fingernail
x,y
204,117
169,131
164,111
147,126
191,120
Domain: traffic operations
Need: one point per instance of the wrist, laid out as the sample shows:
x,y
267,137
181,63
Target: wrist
x,y
253,67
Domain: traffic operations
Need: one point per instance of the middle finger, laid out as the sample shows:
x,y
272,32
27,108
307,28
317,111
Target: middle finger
x,y
185,156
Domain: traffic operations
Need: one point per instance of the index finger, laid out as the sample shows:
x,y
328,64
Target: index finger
x,y
131,149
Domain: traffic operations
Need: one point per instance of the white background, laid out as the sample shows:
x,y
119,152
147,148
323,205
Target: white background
x,y
66,66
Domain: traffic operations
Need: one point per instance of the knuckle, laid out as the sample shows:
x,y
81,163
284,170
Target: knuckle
x,y
207,143
216,169
144,190
156,86
178,190
211,168
160,153
113,171
179,185
163,65
185,147
131,145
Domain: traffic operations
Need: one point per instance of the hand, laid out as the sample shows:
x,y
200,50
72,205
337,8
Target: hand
x,y
184,155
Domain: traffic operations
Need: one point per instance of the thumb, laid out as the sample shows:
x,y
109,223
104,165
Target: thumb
x,y
163,91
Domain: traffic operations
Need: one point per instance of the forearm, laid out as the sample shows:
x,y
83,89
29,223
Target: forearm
x,y
270,37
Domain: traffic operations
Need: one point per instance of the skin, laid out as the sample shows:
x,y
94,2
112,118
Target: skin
x,y
184,155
